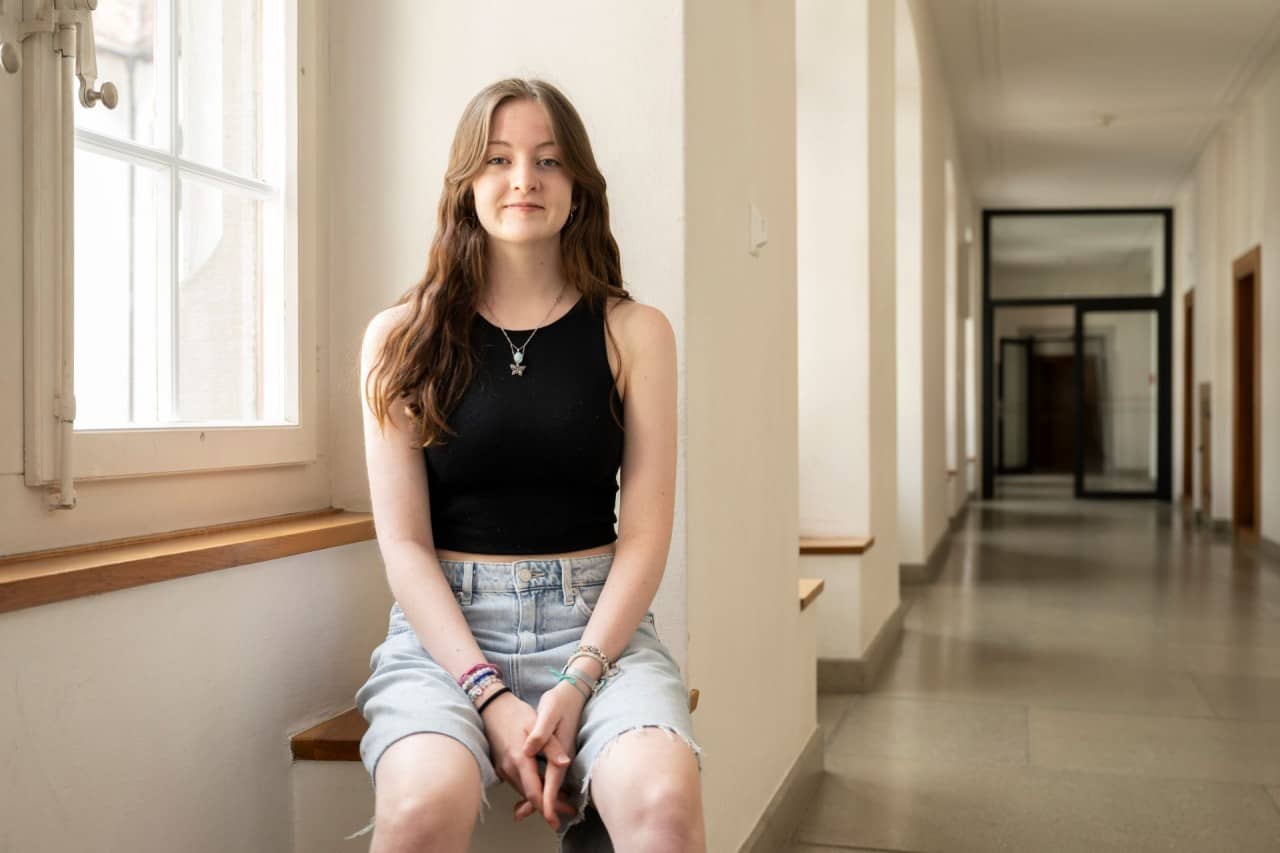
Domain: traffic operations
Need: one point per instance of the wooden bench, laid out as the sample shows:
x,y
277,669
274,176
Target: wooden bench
x,y
836,544
338,738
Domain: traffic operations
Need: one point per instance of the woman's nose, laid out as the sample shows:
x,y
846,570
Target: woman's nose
x,y
524,177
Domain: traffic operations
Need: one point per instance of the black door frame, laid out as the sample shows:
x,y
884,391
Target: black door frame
x,y
1160,303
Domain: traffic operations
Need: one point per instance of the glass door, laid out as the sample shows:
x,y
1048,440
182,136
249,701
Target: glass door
x,y
1117,402
1014,413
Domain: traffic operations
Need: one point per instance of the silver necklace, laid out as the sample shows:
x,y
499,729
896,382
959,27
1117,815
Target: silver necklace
x,y
517,353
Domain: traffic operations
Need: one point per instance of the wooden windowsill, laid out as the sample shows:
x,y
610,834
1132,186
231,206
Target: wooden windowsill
x,y
43,577
836,544
810,588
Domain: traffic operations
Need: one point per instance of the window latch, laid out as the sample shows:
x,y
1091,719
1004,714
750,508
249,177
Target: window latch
x,y
71,24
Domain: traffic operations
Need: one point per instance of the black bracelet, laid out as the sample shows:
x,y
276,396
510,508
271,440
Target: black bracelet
x,y
495,695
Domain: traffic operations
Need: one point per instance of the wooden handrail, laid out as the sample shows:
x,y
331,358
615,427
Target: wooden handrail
x,y
836,544
43,577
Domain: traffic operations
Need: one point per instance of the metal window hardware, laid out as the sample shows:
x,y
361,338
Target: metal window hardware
x,y
71,24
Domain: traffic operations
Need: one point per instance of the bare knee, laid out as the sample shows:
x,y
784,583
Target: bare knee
x,y
646,786
428,796
663,803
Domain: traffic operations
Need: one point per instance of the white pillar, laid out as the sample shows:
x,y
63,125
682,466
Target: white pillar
x,y
846,298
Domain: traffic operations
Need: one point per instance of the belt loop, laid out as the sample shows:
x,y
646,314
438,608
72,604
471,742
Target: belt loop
x,y
468,577
566,580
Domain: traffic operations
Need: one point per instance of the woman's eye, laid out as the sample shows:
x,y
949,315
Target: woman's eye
x,y
493,161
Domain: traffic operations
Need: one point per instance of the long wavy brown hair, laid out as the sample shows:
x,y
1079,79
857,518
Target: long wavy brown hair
x,y
427,360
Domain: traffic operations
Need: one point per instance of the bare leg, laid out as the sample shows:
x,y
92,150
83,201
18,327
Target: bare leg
x,y
427,797
646,786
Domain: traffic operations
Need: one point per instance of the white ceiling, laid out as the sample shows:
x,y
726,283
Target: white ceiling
x,y
1031,81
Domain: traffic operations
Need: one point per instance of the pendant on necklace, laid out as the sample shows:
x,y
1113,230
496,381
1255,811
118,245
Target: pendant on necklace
x,y
517,369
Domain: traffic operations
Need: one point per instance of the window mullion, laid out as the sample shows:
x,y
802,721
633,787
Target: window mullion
x,y
168,411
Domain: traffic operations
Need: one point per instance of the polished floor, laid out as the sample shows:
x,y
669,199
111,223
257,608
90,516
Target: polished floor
x,y
1084,676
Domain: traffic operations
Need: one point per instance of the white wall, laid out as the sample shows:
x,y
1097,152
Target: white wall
x,y
909,194
833,258
924,498
846,294
157,718
744,622
1233,200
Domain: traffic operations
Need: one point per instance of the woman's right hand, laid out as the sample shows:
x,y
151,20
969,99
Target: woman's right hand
x,y
508,721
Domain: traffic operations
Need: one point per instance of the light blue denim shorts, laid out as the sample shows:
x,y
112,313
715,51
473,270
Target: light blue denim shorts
x,y
526,616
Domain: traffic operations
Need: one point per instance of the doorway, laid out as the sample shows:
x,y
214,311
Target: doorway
x,y
1206,458
1247,427
1119,382
1112,269
1188,395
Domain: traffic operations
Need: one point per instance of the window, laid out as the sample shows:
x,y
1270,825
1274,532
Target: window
x,y
189,321
179,241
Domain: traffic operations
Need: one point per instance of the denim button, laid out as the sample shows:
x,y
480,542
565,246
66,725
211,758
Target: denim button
x,y
525,574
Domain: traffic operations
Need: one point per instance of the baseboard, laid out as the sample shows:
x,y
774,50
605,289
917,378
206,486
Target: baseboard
x,y
782,816
916,573
856,675
957,520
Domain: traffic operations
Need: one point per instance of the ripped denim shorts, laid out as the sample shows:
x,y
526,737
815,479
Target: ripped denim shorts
x,y
526,616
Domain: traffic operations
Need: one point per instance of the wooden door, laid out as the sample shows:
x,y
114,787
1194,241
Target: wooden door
x,y
1054,413
1206,457
1188,397
1246,422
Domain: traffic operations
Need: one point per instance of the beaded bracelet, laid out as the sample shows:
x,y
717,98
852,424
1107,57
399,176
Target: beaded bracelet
x,y
483,684
606,669
479,682
478,678
485,665
595,651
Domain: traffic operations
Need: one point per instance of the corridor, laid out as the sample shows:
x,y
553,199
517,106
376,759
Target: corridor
x,y
1083,676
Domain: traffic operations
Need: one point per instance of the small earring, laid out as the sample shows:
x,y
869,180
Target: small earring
x,y
572,211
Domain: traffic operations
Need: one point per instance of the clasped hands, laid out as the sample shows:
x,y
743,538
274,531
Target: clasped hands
x,y
517,734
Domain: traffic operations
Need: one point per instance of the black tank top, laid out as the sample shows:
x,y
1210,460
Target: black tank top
x,y
533,467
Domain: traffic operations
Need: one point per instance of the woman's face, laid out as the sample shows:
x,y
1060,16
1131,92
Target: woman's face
x,y
522,192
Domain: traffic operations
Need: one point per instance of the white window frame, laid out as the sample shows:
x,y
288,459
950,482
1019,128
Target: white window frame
x,y
140,452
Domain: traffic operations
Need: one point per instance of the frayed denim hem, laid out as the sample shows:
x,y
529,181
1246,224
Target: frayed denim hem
x,y
584,792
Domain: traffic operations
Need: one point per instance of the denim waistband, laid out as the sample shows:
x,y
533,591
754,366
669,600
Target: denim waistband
x,y
564,573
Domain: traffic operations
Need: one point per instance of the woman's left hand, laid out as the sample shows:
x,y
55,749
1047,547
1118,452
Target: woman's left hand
x,y
559,714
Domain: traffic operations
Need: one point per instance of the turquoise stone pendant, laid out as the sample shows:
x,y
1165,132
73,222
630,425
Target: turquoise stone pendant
x,y
517,369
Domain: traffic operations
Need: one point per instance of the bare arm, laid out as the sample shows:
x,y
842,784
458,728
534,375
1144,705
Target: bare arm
x,y
648,484
402,517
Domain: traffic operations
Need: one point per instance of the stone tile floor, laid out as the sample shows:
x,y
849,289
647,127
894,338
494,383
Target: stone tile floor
x,y
1083,677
